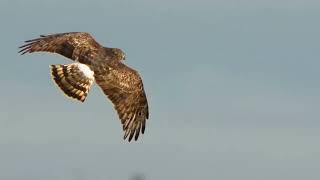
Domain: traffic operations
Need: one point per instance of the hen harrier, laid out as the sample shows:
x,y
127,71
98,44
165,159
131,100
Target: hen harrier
x,y
122,84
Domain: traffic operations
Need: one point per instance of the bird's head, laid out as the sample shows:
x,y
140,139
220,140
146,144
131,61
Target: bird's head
x,y
119,54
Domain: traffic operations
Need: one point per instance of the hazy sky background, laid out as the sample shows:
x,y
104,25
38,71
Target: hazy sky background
x,y
233,88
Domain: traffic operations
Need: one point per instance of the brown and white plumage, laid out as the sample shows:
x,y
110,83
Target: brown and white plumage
x,y
122,84
74,80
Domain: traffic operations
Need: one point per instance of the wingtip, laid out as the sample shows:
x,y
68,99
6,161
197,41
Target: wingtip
x,y
131,136
136,137
25,48
143,128
126,135
22,52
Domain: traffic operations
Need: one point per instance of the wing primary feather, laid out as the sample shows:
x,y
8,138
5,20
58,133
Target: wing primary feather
x,y
137,131
143,126
133,130
127,132
129,125
24,50
33,40
28,44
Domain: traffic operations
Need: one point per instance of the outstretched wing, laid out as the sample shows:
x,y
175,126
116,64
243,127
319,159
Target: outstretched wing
x,y
124,88
73,45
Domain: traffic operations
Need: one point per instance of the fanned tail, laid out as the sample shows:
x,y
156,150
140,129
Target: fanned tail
x,y
74,80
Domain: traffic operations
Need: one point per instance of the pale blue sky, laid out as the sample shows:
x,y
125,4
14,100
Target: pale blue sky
x,y
233,88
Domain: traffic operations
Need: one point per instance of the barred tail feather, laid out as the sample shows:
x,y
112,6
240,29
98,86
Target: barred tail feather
x,y
74,80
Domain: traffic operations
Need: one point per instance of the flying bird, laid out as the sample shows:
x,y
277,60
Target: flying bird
x,y
93,62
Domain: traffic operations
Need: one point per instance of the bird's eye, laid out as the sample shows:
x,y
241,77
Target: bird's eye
x,y
124,57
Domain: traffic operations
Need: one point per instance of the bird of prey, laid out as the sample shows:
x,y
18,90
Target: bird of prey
x,y
93,62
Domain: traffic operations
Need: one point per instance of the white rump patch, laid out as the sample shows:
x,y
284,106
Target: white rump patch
x,y
86,70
